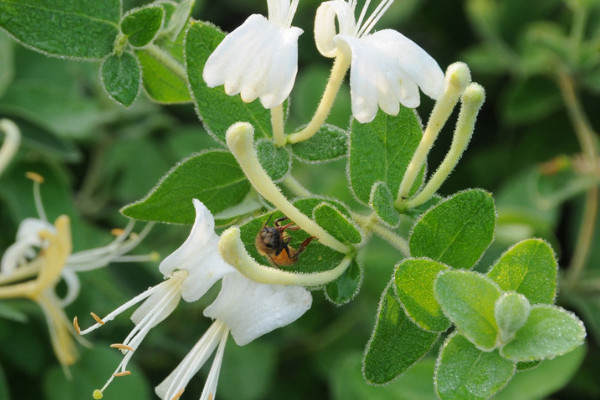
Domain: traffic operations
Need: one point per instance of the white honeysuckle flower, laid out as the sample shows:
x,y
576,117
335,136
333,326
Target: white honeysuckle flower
x,y
259,59
248,310
189,272
24,248
387,68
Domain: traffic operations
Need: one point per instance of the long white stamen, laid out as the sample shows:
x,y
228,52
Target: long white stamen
x,y
198,356
362,15
210,387
125,306
73,287
375,17
291,13
37,197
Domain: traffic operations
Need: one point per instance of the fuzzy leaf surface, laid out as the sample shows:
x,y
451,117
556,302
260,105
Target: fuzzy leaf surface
x,y
329,143
141,25
121,77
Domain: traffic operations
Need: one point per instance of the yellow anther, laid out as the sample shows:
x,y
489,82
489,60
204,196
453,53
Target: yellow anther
x,y
97,394
76,325
155,256
34,176
121,346
97,318
178,394
122,373
117,231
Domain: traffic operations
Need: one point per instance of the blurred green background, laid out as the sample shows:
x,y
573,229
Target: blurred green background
x,y
97,156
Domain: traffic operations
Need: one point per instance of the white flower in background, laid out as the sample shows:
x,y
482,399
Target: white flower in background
x,y
387,68
259,58
247,310
189,272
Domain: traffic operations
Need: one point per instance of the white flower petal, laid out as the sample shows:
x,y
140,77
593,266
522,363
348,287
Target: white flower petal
x,y
415,61
251,309
193,361
325,25
199,256
258,59
27,238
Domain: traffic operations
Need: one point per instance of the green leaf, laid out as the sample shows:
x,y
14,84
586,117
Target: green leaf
x,y
315,258
90,373
550,331
548,377
511,311
121,77
382,202
217,110
346,287
275,160
347,383
213,177
465,372
4,393
336,224
396,342
328,144
456,231
468,299
7,63
529,268
414,280
141,25
381,150
179,18
161,82
83,29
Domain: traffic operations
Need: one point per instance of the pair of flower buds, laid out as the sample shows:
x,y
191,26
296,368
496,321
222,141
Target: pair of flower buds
x,y
260,58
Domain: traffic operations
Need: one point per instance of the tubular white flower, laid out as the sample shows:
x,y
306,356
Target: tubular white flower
x,y
259,59
23,249
199,256
248,310
387,68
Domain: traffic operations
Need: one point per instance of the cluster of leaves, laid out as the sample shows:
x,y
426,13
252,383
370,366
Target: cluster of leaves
x,y
504,321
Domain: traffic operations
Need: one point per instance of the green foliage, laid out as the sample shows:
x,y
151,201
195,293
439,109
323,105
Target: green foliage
x,y
336,224
83,29
328,144
511,312
414,279
381,150
212,177
217,110
346,287
141,26
468,300
396,342
528,268
549,332
465,372
382,202
121,77
275,160
456,231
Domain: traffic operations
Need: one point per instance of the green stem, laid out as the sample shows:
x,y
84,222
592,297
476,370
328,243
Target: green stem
x,y
587,142
371,224
167,60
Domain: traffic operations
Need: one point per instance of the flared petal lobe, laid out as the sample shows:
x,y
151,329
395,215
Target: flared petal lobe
x,y
258,60
251,309
386,70
199,256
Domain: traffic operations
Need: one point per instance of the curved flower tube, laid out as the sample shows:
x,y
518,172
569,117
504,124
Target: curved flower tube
x,y
259,59
387,68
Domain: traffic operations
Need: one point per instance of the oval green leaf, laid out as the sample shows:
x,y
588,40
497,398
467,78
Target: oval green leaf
x,y
396,342
382,202
468,299
336,224
457,231
465,372
121,77
275,160
550,331
511,311
213,177
84,29
414,280
141,25
328,144
346,287
529,268
381,151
